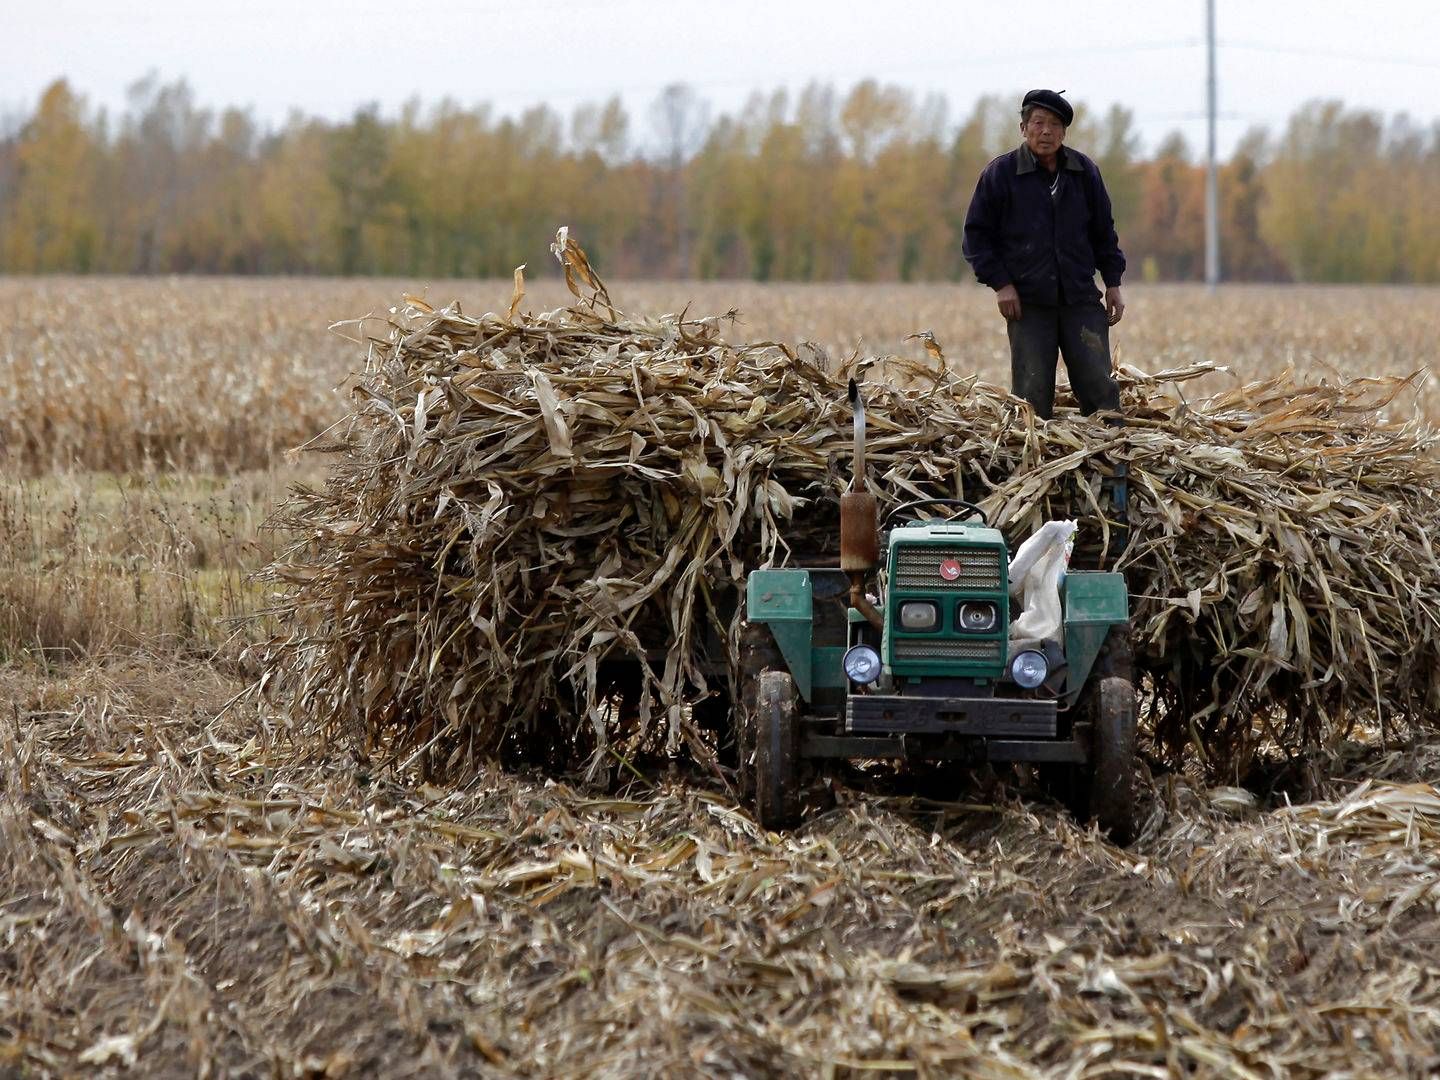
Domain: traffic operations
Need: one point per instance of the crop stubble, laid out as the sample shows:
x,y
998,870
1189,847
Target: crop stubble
x,y
217,374
203,895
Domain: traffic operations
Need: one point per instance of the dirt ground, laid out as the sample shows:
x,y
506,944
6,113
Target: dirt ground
x,y
188,889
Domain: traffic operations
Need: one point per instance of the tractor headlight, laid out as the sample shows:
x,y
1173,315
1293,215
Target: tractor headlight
x,y
862,664
919,615
1029,668
977,616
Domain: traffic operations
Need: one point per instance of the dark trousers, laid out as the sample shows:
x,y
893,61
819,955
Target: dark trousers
x,y
1078,332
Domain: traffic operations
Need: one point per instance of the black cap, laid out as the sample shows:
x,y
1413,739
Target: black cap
x,y
1050,99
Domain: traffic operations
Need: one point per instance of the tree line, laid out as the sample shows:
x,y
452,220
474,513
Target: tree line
x,y
869,184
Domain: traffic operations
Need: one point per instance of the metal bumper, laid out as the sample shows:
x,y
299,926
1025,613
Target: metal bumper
x,y
990,718
987,729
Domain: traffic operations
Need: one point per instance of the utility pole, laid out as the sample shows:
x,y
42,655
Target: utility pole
x,y
1212,187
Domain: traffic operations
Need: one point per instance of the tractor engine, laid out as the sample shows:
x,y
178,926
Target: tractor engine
x,y
946,602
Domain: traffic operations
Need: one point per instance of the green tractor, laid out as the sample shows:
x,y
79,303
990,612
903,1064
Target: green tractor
x,y
926,671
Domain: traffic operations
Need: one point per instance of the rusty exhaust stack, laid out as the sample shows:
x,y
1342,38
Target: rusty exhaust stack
x,y
859,525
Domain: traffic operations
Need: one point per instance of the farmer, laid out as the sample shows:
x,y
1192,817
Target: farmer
x,y
1038,228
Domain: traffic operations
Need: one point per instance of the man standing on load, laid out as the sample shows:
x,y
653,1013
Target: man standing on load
x,y
1039,227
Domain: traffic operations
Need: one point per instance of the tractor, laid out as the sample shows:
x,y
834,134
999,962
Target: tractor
x,y
902,652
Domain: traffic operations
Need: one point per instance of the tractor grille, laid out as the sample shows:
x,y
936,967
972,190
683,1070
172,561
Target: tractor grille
x,y
970,652
918,567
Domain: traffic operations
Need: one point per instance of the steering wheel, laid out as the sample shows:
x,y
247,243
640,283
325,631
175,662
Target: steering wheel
x,y
975,510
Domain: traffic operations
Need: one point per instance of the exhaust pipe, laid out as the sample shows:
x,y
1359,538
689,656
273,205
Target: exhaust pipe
x,y
859,524
857,460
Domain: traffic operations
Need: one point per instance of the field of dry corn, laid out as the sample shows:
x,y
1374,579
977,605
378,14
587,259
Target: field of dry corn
x,y
193,885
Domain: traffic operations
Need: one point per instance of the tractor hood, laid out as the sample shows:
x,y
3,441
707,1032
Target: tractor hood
x,y
947,606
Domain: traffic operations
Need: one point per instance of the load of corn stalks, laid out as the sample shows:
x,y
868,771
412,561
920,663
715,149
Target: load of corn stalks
x,y
523,505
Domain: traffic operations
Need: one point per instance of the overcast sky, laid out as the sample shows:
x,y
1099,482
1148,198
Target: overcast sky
x,y
326,57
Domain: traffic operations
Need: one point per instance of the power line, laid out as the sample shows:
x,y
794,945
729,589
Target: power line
x,y
849,74
1230,117
593,91
1008,59
1332,54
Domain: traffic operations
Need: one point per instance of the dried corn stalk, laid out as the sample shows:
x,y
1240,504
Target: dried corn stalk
x,y
522,502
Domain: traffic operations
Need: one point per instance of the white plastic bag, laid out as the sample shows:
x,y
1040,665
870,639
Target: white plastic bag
x,y
1035,576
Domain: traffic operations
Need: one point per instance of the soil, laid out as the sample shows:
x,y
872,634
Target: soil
x,y
193,888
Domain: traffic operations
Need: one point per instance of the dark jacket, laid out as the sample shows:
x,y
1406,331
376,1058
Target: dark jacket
x,y
1015,234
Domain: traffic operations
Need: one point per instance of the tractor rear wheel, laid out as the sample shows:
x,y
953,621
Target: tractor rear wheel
x,y
758,654
776,775
1103,789
1112,759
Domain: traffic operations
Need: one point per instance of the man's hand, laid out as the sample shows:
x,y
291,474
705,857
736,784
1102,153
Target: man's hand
x,y
1009,301
1114,304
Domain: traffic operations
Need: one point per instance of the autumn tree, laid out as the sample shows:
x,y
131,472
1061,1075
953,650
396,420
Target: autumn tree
x,y
50,222
680,118
297,205
867,184
1244,254
358,167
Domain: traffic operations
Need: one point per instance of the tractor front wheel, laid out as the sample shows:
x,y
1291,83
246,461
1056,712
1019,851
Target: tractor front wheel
x,y
776,776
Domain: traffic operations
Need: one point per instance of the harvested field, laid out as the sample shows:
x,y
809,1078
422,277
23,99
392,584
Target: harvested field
x,y
91,564
190,895
216,375
196,886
